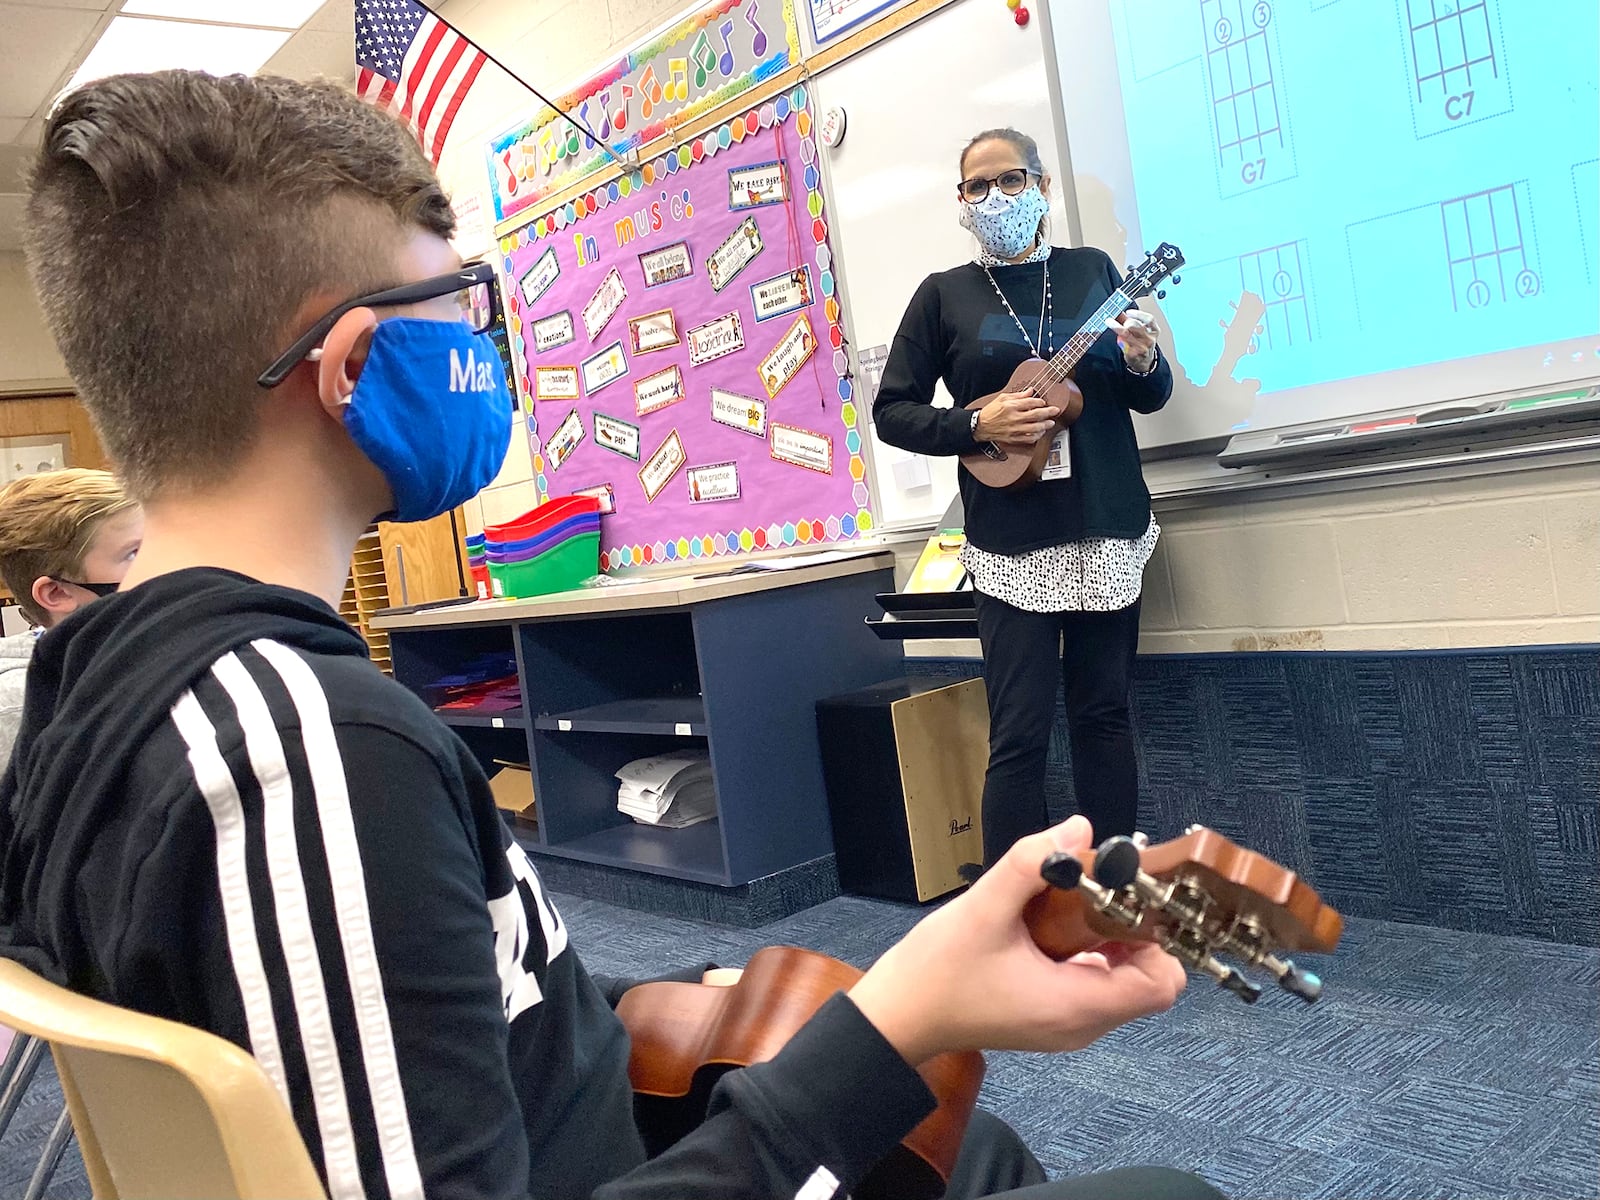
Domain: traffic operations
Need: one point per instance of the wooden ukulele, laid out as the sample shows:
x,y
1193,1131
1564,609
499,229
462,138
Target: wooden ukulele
x,y
1196,896
1013,466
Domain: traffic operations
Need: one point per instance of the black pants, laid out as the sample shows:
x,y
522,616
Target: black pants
x,y
1021,670
995,1163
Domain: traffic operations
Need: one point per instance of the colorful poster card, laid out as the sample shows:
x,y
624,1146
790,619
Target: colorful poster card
x,y
716,339
564,440
604,368
652,332
658,391
554,330
617,435
716,481
666,462
666,265
758,186
736,253
788,356
744,413
781,295
802,448
555,383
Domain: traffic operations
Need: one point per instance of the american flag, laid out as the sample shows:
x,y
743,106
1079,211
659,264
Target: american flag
x,y
415,65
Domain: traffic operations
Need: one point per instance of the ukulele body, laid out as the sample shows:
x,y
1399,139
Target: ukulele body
x,y
1010,467
685,1036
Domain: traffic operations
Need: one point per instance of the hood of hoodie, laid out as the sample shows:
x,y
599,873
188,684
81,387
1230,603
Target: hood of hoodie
x,y
16,651
99,685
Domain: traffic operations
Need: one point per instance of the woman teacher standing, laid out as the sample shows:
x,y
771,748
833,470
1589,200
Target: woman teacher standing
x,y
1057,567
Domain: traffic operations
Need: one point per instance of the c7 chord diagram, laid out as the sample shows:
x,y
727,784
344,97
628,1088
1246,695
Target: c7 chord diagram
x,y
1457,73
1254,143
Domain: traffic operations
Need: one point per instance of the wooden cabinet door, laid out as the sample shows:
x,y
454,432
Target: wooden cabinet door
x,y
422,561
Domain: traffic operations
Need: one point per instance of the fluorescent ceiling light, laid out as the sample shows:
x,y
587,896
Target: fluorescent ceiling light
x,y
275,14
138,44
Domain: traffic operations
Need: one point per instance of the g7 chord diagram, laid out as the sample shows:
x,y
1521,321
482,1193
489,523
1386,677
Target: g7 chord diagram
x,y
1254,143
1457,73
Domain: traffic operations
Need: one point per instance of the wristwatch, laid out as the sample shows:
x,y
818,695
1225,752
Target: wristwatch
x,y
976,413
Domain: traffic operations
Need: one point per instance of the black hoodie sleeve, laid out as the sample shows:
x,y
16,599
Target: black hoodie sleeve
x,y
359,962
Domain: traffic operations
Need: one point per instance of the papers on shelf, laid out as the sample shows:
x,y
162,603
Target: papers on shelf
x,y
670,790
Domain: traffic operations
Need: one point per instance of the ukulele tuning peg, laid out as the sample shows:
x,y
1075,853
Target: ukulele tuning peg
x,y
1162,294
1062,871
1241,987
1177,279
1116,863
1297,982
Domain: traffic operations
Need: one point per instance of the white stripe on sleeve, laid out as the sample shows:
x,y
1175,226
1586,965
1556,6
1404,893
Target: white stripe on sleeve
x,y
348,884
306,981
216,784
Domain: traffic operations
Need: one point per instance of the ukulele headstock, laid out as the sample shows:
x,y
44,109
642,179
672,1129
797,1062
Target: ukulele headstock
x,y
1159,264
1201,898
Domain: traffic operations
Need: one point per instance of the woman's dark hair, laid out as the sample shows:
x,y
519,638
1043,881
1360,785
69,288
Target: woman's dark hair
x,y
1023,144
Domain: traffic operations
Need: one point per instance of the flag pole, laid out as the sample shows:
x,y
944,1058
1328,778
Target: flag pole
x,y
515,78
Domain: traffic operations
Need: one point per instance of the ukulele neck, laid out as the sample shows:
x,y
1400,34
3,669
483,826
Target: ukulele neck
x,y
1069,355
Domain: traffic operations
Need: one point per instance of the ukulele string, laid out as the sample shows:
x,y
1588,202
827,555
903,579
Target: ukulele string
x,y
1072,351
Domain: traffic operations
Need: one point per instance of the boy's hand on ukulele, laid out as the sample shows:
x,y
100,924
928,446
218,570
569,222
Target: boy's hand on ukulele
x,y
1015,418
969,977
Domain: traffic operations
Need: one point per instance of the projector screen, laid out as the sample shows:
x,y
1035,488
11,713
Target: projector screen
x,y
1384,204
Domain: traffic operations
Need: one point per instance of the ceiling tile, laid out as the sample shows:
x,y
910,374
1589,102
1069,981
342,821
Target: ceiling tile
x,y
10,221
55,38
11,129
88,5
313,54
336,16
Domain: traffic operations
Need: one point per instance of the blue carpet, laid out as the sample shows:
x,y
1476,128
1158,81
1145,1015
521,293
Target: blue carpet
x,y
1451,788
1440,1065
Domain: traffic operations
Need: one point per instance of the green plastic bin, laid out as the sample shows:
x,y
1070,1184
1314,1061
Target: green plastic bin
x,y
558,570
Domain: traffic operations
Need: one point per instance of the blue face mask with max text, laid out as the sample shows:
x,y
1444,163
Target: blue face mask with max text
x,y
432,412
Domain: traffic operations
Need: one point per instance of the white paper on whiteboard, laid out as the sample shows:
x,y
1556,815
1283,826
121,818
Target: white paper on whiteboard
x,y
911,472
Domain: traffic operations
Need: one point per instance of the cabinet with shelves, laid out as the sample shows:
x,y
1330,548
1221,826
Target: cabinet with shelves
x,y
733,666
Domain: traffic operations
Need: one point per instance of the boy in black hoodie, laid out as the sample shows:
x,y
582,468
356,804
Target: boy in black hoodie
x,y
220,812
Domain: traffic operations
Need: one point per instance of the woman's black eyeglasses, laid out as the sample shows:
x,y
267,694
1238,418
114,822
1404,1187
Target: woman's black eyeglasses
x,y
1012,183
472,285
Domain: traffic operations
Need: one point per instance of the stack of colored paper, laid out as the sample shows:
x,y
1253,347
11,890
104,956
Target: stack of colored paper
x,y
671,790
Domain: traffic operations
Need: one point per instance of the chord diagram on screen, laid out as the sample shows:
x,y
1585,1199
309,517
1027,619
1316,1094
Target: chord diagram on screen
x,y
1278,275
1247,110
1457,73
1586,203
1486,247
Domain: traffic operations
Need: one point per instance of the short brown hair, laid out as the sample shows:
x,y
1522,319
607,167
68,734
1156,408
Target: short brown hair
x,y
176,222
48,522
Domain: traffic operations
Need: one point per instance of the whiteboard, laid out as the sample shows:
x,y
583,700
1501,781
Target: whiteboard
x,y
912,102
1361,239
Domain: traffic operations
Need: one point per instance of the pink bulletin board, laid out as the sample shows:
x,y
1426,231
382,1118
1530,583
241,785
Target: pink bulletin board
x,y
678,333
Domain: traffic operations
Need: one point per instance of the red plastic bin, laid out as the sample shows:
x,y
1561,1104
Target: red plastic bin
x,y
541,519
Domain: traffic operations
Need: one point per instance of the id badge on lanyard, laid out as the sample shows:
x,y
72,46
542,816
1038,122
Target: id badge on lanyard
x,y
1059,464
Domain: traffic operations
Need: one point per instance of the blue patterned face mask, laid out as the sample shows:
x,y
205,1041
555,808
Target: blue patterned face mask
x,y
1005,226
432,412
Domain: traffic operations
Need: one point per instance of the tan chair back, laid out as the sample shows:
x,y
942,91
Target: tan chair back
x,y
162,1111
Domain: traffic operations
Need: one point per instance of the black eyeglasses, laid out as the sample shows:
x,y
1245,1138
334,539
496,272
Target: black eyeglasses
x,y
1013,182
471,285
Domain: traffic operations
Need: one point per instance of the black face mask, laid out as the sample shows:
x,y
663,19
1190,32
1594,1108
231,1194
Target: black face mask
x,y
99,589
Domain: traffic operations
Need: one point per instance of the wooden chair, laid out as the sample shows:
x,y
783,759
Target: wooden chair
x,y
161,1110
